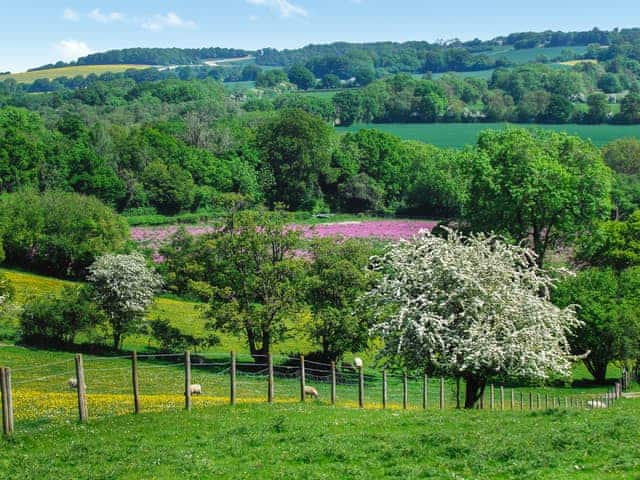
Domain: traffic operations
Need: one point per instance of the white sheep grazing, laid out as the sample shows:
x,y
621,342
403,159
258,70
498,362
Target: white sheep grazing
x,y
310,391
73,383
196,389
357,362
596,404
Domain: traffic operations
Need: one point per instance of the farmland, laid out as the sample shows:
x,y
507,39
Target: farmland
x,y
457,135
79,70
531,54
315,442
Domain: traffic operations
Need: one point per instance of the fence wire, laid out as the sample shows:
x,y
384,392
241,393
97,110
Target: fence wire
x,y
44,393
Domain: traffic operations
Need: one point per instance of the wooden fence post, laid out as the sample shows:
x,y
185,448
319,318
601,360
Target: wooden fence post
x,y
385,391
333,383
491,398
566,402
521,401
7,401
405,391
82,394
302,379
501,397
361,388
513,399
270,384
530,401
442,400
187,380
425,391
134,381
232,378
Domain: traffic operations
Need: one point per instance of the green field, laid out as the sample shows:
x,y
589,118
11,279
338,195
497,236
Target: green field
x,y
457,135
239,86
530,54
293,441
70,72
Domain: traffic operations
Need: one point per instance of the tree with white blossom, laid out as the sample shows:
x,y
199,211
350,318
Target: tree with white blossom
x,y
125,288
471,307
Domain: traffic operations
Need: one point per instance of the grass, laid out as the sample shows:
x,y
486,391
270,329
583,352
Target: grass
x,y
188,316
237,87
82,70
457,135
310,441
530,54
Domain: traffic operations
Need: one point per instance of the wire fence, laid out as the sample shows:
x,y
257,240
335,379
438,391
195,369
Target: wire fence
x,y
34,396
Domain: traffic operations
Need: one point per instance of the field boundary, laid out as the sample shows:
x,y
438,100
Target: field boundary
x,y
94,387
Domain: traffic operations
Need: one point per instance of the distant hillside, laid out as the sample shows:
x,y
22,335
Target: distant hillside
x,y
348,59
70,72
155,56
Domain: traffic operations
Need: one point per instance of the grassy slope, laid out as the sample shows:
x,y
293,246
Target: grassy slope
x,y
188,316
530,54
314,442
82,70
458,135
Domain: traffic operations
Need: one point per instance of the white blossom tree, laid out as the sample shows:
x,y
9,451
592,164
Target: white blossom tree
x,y
125,288
471,307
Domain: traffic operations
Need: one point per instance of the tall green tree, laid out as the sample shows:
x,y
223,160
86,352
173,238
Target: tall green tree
x,y
338,277
608,304
538,186
297,148
301,77
255,277
614,244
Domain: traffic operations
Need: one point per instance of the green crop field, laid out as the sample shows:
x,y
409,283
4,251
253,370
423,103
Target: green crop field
x,y
70,72
530,54
458,135
239,86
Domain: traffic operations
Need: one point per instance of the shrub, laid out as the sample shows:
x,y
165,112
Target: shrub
x,y
171,339
56,321
58,233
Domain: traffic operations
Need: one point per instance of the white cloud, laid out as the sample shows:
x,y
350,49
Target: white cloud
x,y
159,22
71,49
70,15
97,15
284,7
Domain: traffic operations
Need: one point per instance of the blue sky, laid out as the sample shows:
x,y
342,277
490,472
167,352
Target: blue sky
x,y
35,32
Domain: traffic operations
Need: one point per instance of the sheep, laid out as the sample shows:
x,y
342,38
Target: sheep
x,y
357,362
310,391
73,384
596,404
195,389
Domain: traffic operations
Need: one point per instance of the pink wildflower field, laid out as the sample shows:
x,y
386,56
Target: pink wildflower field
x,y
390,230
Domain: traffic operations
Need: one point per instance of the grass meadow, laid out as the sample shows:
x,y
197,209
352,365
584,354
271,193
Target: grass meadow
x,y
457,135
311,441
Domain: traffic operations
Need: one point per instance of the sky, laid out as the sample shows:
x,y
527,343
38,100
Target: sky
x,y
36,32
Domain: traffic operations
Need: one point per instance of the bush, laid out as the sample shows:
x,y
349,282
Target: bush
x,y
171,339
56,321
58,233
